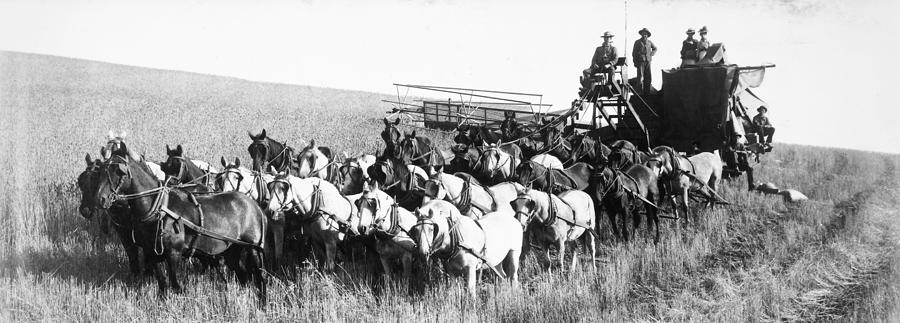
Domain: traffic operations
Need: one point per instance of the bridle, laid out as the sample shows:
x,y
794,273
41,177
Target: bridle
x,y
284,149
498,153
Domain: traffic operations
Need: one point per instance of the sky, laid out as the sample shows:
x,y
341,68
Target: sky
x,y
836,61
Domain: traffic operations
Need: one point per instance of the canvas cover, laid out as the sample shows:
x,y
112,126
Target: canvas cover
x,y
698,102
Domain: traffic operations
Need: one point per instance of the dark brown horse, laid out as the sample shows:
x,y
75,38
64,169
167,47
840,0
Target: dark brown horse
x,y
533,174
168,223
624,154
395,178
88,182
623,193
391,136
181,170
465,157
265,152
417,150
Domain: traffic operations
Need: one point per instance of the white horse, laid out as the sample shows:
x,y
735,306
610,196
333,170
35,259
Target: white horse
x,y
315,205
557,219
312,162
206,167
699,173
548,161
235,177
494,241
379,215
451,188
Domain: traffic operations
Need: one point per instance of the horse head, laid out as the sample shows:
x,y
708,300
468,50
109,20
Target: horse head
x,y
527,173
282,197
391,135
492,159
122,176
372,210
259,150
524,207
434,188
88,181
462,135
425,233
179,168
311,161
409,148
231,177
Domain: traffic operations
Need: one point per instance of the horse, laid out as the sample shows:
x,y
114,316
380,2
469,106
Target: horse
x,y
168,222
316,207
380,216
404,182
185,171
588,150
494,241
624,154
464,192
315,161
352,175
472,135
576,177
559,219
465,157
555,144
88,182
620,193
497,162
415,150
681,175
265,152
391,136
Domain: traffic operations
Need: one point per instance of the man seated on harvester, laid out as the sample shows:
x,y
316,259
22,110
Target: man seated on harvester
x,y
603,61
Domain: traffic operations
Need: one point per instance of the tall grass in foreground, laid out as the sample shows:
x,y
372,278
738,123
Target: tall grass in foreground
x,y
759,259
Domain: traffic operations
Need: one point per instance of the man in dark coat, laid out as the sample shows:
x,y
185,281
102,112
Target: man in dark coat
x,y
642,54
689,49
763,126
604,60
702,44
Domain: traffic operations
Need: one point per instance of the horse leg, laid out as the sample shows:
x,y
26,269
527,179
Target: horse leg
x,y
471,276
591,244
549,259
574,258
511,267
674,200
686,206
622,209
256,260
407,261
330,253
561,243
635,222
526,245
386,268
158,272
611,214
173,260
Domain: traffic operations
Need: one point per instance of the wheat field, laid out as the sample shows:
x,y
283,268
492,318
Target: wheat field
x,y
835,257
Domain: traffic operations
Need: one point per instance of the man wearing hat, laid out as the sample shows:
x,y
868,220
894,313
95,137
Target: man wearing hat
x,y
689,49
604,60
763,126
703,44
643,52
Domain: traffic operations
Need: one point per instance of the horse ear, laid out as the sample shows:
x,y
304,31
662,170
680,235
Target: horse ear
x,y
484,143
179,150
262,135
413,134
123,134
396,122
104,153
224,164
251,135
237,162
430,213
87,159
386,122
110,135
499,142
312,143
272,169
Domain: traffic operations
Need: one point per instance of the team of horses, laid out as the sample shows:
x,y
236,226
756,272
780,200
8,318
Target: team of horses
x,y
482,204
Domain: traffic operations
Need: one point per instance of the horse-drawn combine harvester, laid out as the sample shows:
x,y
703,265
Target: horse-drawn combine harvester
x,y
700,108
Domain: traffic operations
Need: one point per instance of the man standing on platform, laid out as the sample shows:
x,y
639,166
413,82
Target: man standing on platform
x,y
643,52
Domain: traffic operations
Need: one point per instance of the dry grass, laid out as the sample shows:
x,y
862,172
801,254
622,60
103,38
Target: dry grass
x,y
835,257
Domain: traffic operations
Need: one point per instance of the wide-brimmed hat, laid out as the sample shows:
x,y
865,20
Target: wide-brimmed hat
x,y
608,35
761,108
645,30
690,31
703,30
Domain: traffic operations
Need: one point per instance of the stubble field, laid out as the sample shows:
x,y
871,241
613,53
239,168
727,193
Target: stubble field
x,y
759,259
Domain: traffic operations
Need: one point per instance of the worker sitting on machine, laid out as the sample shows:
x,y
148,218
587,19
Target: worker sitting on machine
x,y
603,61
764,127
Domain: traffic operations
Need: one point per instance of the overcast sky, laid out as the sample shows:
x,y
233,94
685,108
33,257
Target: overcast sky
x,y
833,84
